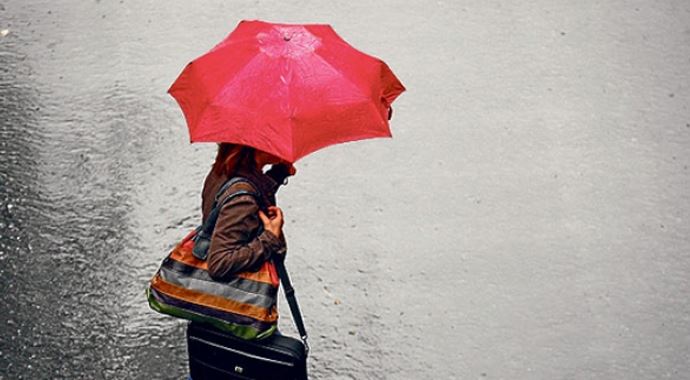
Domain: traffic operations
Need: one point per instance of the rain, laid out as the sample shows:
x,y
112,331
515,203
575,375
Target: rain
x,y
529,219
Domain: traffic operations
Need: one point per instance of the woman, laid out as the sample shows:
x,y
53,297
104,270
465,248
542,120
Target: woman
x,y
234,247
236,244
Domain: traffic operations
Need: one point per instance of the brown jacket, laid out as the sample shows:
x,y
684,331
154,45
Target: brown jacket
x,y
234,246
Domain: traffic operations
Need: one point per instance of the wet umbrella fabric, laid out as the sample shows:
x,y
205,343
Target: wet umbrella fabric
x,y
286,89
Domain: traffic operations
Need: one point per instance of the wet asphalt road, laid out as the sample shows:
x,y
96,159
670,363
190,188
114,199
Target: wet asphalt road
x,y
529,219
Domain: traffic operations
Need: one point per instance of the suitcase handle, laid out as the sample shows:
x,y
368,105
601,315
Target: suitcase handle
x,y
292,302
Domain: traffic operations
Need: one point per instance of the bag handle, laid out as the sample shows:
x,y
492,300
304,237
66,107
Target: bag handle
x,y
202,240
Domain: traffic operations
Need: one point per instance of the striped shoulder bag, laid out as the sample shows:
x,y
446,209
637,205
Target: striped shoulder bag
x,y
244,306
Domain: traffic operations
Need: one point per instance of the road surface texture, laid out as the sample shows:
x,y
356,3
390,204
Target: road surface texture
x,y
529,219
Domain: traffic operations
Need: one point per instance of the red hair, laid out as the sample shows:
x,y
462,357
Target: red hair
x,y
231,157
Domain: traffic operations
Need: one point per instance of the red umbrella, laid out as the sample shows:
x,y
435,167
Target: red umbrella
x,y
286,89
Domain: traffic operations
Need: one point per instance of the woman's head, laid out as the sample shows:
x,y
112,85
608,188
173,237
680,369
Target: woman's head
x,y
262,158
232,157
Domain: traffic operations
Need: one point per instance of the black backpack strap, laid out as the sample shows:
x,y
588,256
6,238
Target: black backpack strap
x,y
292,301
232,181
202,240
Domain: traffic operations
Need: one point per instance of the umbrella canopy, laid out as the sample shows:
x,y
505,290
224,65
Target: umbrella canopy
x,y
286,89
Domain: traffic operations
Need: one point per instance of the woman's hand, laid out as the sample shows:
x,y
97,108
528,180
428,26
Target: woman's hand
x,y
273,221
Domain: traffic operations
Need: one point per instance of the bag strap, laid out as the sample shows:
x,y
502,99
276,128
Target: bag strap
x,y
202,239
210,224
292,301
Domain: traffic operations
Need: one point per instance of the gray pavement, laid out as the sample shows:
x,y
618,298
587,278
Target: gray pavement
x,y
529,219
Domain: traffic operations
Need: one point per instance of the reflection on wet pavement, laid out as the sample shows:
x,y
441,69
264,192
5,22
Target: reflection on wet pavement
x,y
528,220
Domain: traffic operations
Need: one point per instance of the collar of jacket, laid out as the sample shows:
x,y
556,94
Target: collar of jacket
x,y
266,185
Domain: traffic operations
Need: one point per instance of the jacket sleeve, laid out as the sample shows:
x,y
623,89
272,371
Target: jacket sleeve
x,y
232,248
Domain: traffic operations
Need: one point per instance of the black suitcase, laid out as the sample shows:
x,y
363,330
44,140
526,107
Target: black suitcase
x,y
217,355
214,354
